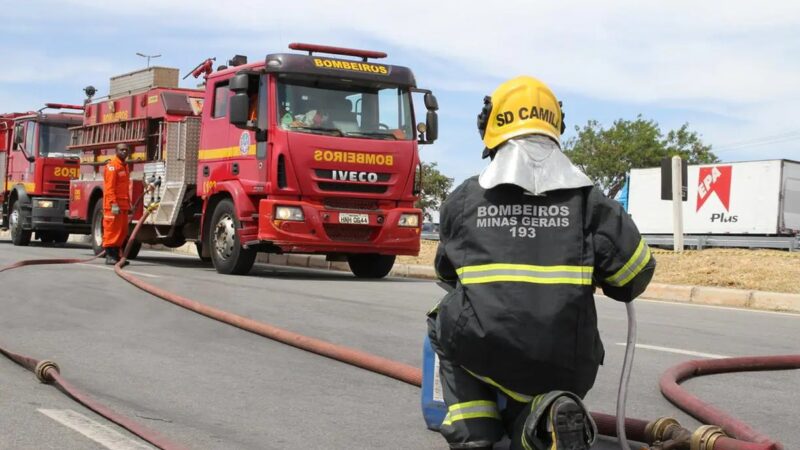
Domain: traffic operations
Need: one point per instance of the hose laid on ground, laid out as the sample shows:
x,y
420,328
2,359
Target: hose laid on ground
x,y
48,372
40,262
670,387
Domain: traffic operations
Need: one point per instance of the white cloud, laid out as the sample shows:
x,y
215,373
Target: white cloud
x,y
734,59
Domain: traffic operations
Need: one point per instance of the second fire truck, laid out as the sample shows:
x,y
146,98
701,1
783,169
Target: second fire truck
x,y
297,153
35,171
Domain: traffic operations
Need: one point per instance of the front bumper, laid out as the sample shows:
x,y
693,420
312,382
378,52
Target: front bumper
x,y
321,231
55,217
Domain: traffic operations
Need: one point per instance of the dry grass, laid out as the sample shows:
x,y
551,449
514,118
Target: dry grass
x,y
763,270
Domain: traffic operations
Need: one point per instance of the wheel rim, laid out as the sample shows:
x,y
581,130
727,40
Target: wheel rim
x,y
225,236
14,220
98,230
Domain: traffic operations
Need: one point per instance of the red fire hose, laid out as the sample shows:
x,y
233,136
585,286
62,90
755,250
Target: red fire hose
x,y
670,387
48,372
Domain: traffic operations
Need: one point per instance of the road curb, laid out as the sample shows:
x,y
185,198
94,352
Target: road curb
x,y
698,295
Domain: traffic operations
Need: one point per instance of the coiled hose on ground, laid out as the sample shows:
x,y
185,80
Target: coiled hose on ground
x,y
660,433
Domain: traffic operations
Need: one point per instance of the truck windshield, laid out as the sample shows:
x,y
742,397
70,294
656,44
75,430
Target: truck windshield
x,y
345,110
53,141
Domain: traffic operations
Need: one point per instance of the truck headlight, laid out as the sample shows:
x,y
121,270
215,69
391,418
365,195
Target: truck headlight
x,y
294,213
408,220
44,203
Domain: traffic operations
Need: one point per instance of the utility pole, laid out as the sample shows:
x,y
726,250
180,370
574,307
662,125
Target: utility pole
x,y
148,57
677,204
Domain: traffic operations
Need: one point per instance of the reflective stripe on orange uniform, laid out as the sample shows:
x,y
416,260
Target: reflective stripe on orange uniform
x,y
116,190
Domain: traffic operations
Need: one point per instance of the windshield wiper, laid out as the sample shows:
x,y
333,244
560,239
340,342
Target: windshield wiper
x,y
382,134
323,129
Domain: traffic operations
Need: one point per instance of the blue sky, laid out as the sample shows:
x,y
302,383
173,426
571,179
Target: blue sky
x,y
728,68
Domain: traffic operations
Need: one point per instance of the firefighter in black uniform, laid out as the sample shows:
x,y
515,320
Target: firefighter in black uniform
x,y
523,246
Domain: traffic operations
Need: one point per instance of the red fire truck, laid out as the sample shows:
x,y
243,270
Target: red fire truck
x,y
298,153
35,170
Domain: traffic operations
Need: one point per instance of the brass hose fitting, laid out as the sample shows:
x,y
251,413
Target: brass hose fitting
x,y
657,430
42,371
705,437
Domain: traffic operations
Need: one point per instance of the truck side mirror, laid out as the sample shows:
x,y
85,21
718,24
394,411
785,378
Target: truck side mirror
x,y
431,126
239,110
240,83
431,104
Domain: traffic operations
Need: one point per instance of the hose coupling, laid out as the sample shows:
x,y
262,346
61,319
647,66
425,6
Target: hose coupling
x,y
152,207
42,371
656,430
705,437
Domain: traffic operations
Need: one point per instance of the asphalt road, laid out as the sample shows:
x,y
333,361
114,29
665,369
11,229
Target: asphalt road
x,y
210,386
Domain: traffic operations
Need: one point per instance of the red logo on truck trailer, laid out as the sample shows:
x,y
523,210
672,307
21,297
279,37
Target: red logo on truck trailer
x,y
715,179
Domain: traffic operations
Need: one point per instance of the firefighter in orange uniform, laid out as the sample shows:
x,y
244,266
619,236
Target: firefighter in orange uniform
x,y
116,204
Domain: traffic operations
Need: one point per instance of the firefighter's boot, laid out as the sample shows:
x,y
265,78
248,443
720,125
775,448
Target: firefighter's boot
x,y
112,256
558,421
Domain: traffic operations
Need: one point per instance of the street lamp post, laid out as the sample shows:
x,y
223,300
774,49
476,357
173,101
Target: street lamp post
x,y
148,57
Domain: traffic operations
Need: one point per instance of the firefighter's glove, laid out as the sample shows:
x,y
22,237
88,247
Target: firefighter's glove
x,y
115,209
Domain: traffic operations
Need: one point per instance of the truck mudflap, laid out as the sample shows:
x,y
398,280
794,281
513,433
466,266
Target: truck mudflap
x,y
329,230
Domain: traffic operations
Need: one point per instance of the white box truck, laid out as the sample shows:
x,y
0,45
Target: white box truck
x,y
741,204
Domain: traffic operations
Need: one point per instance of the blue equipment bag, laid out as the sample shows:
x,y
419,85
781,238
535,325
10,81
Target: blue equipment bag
x,y
433,407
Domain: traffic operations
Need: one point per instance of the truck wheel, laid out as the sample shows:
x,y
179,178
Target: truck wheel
x,y
370,265
97,228
135,248
52,237
19,236
60,237
227,253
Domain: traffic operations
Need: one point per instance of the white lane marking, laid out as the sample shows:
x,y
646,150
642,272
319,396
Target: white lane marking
x,y
148,275
695,305
103,435
678,351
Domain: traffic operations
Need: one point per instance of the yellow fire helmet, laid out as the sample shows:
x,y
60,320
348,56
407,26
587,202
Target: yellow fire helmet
x,y
522,105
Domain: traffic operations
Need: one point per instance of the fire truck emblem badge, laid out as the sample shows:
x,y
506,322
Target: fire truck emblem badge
x,y
244,143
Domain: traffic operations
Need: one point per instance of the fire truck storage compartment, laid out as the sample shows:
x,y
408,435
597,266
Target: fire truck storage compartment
x,y
177,172
142,80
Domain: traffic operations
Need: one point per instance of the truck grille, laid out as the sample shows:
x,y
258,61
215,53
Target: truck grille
x,y
348,187
60,186
350,233
351,203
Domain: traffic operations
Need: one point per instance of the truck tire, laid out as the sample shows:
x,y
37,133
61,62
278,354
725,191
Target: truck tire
x,y
52,236
135,248
60,237
19,236
370,265
227,253
97,228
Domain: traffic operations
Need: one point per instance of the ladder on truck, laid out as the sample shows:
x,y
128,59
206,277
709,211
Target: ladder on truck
x,y
103,135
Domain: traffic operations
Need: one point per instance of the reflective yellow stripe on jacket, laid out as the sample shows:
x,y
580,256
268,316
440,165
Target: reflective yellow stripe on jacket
x,y
477,409
631,268
525,273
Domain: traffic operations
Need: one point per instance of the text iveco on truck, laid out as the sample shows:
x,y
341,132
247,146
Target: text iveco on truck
x,y
299,153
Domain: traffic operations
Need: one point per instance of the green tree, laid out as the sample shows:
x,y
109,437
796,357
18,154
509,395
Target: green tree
x,y
435,187
606,155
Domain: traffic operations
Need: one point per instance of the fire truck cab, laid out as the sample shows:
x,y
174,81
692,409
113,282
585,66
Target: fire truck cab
x,y
35,170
